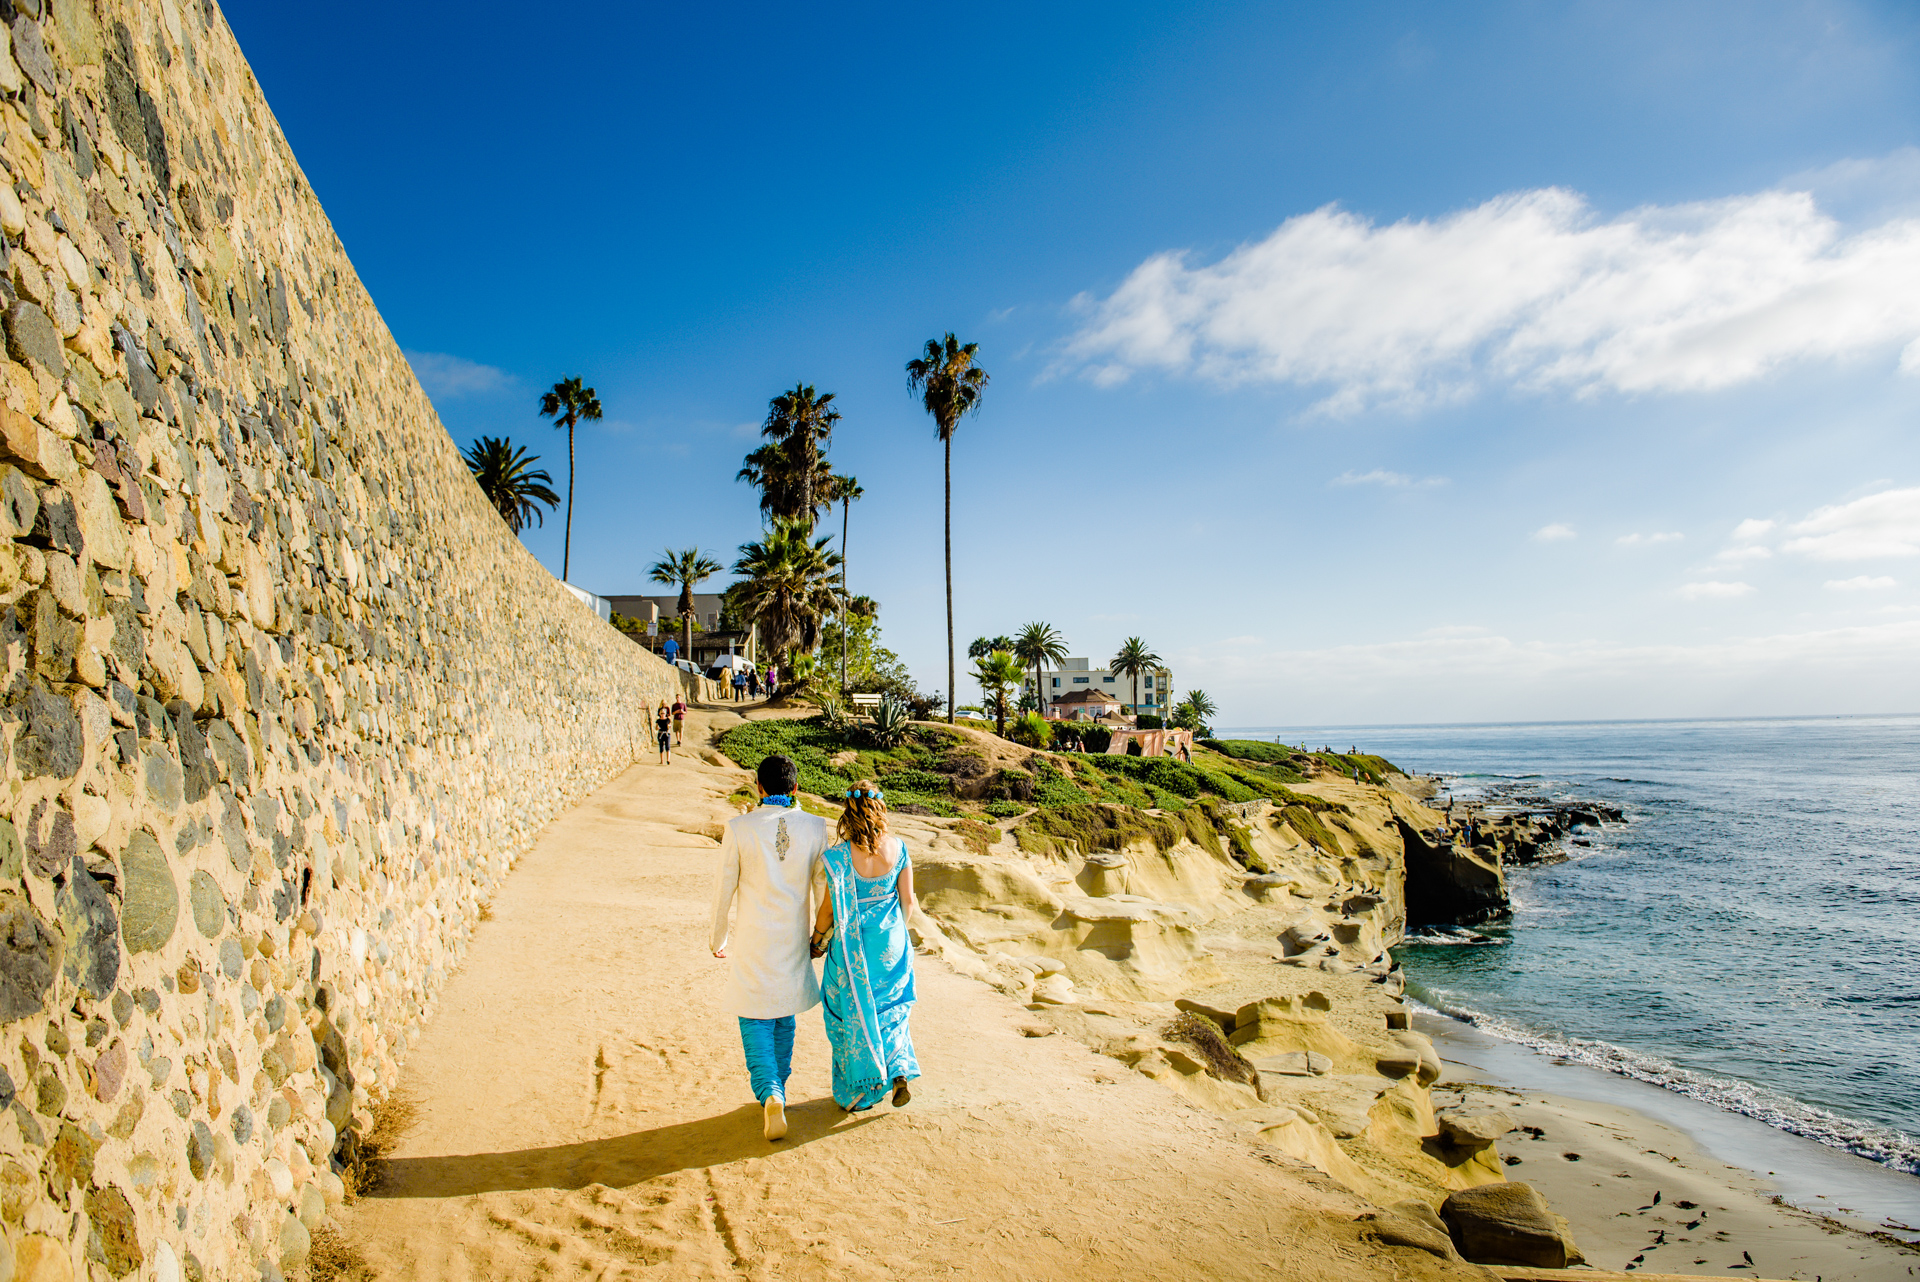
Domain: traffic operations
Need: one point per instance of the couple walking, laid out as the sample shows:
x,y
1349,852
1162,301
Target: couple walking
x,y
775,861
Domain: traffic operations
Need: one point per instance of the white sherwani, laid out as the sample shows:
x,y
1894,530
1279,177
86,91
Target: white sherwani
x,y
769,873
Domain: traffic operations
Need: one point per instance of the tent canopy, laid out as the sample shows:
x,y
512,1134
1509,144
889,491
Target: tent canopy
x,y
730,663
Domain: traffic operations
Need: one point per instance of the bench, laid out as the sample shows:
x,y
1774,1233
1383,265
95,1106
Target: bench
x,y
863,703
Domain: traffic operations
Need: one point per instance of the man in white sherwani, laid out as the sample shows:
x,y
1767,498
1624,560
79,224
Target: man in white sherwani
x,y
766,864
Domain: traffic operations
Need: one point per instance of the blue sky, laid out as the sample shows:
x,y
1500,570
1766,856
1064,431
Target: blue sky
x,y
1375,362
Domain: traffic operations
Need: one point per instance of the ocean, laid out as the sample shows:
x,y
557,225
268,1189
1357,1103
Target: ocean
x,y
1749,938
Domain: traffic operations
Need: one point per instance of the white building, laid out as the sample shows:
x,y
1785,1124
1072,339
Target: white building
x,y
1076,674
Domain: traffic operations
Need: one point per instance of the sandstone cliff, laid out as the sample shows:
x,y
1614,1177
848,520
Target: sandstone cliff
x,y
284,699
1270,997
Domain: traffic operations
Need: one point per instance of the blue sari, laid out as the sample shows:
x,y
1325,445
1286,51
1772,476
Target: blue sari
x,y
866,985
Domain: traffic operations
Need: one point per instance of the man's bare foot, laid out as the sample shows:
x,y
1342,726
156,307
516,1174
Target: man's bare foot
x,y
901,1095
775,1125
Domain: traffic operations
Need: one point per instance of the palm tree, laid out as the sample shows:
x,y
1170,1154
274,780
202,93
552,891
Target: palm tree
x,y
791,470
981,647
566,403
1134,658
1036,646
950,386
685,568
507,476
998,673
1193,711
847,490
787,586
784,491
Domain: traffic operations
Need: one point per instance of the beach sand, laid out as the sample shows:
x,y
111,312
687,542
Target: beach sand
x,y
580,1109
1601,1161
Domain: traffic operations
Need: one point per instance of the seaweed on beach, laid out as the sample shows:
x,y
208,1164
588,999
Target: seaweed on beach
x,y
1216,1053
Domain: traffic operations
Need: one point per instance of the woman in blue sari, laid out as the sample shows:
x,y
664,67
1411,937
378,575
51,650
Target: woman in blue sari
x,y
866,986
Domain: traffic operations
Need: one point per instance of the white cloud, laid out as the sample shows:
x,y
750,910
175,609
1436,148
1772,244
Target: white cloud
x,y
455,376
1713,590
1879,525
1861,583
1530,288
1388,480
1554,533
1648,540
1751,528
1743,554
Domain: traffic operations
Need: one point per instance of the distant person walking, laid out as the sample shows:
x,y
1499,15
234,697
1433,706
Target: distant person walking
x,y
753,682
671,649
867,980
663,731
768,861
679,720
739,686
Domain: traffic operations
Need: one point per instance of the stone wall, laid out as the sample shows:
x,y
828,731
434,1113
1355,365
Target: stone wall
x,y
284,699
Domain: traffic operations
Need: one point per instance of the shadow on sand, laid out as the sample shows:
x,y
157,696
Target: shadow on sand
x,y
619,1162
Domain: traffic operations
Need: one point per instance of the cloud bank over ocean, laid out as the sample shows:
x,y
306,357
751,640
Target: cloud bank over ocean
x,y
1532,289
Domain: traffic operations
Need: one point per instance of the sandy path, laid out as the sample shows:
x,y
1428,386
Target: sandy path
x,y
583,1112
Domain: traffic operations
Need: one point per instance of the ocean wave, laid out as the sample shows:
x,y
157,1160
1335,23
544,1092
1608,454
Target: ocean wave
x,y
1883,1144
1451,937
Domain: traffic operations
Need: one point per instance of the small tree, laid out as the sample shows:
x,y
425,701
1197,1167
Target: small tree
x,y
684,569
507,476
1033,730
999,675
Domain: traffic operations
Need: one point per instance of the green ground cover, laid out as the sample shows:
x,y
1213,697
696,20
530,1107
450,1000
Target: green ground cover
x,y
1087,802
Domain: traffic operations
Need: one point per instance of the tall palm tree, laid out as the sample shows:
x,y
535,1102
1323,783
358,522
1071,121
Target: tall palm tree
x,y
847,490
1134,658
507,476
1036,646
685,568
981,647
788,585
950,386
998,673
567,403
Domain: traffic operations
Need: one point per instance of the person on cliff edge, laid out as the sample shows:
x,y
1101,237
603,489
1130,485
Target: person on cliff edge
x,y
767,863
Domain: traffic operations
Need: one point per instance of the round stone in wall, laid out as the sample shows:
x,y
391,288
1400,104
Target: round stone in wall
x,y
150,906
209,905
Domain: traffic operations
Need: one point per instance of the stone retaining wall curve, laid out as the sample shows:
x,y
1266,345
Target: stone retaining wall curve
x,y
283,698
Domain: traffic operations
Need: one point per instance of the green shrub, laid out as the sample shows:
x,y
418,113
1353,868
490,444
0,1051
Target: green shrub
x,y
1033,730
1095,737
1053,787
1004,809
925,782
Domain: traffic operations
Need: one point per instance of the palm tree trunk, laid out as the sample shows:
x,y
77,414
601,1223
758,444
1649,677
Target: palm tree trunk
x,y
566,545
686,626
844,505
949,528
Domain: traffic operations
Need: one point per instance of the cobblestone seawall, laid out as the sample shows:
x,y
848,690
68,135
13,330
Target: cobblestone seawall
x,y
284,698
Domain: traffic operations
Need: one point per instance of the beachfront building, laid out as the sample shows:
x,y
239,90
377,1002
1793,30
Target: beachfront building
x,y
710,643
1078,674
1084,704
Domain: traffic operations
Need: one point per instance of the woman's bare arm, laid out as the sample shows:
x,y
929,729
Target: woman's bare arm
x,y
908,904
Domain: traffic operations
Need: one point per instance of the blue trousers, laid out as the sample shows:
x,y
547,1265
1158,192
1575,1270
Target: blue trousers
x,y
769,1047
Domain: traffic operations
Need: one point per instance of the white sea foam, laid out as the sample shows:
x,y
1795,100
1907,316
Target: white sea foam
x,y
1883,1144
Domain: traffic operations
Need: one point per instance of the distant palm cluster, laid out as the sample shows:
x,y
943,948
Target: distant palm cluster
x,y
792,584
1001,666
